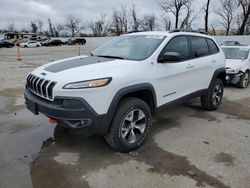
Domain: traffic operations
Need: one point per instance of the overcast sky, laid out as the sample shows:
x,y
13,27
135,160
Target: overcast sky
x,y
21,12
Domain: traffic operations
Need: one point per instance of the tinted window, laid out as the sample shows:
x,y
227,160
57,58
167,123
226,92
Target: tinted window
x,y
200,47
179,45
212,47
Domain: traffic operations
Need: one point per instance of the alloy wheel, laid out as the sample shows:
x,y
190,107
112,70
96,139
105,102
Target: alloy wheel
x,y
133,126
217,94
245,79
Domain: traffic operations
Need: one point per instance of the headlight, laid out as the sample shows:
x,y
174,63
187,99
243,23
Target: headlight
x,y
233,71
88,84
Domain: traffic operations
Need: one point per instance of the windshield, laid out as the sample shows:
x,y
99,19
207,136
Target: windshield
x,y
130,47
236,53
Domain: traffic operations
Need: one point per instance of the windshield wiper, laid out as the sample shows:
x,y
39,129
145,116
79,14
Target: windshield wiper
x,y
109,56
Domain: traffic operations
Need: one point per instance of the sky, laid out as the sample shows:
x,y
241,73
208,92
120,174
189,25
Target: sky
x,y
21,12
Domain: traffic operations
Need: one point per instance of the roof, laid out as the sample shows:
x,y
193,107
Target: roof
x,y
166,33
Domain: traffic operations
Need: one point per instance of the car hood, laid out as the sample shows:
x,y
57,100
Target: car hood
x,y
234,63
85,68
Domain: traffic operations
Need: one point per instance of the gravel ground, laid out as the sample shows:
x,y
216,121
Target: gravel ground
x,y
187,146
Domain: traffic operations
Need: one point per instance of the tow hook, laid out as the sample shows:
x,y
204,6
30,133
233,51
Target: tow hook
x,y
53,121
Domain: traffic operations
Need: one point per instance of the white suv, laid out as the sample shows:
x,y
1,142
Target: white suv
x,y
120,86
237,65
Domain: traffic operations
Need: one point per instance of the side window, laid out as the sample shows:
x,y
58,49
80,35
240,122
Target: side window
x,y
213,48
199,46
179,45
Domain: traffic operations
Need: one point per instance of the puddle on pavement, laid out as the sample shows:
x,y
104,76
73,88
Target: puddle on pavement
x,y
200,112
11,100
225,158
69,156
236,109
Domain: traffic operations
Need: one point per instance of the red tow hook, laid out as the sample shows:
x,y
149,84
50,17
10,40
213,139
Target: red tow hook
x,y
53,121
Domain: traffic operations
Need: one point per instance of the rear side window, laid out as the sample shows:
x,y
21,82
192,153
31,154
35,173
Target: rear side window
x,y
199,46
213,48
179,45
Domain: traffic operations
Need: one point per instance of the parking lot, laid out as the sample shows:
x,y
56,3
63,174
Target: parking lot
x,y
186,147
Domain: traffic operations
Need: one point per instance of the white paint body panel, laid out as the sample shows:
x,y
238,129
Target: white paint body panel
x,y
165,78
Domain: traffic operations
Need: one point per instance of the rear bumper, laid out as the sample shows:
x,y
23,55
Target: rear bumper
x,y
76,115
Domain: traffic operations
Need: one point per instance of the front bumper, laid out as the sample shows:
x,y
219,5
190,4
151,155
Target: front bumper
x,y
233,78
71,112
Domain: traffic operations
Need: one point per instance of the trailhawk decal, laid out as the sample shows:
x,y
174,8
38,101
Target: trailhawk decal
x,y
69,64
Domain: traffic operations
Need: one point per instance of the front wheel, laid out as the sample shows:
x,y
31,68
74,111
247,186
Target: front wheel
x,y
213,98
244,80
130,125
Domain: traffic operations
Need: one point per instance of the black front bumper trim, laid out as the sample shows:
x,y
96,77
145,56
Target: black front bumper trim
x,y
57,111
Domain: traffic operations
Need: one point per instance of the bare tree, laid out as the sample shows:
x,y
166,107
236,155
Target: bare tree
x,y
175,7
226,11
244,16
167,23
148,22
135,21
73,25
187,21
120,21
214,32
57,29
40,25
99,27
11,27
116,23
124,18
206,9
33,27
51,30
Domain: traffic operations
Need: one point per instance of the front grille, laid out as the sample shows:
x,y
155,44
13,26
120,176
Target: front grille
x,y
41,86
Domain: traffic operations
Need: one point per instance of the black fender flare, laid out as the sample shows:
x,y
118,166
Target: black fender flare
x,y
218,72
123,92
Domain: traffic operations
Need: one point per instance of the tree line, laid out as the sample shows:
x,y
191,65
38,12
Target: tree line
x,y
233,18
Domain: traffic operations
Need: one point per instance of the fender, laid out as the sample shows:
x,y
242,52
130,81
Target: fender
x,y
124,91
217,73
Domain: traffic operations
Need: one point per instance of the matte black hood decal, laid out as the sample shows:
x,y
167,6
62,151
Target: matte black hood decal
x,y
76,63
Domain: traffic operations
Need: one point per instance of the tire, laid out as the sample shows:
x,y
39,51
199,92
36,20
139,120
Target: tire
x,y
37,45
244,80
212,100
125,134
25,46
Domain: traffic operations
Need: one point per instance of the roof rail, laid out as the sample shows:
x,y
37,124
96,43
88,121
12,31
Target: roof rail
x,y
135,31
188,30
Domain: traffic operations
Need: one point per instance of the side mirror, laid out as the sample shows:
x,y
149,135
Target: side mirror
x,y
170,57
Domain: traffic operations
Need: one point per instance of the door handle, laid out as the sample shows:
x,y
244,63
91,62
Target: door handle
x,y
213,61
190,66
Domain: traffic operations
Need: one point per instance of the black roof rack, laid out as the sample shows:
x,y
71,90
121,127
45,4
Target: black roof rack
x,y
188,30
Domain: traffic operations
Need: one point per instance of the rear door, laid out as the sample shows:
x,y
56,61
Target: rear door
x,y
204,61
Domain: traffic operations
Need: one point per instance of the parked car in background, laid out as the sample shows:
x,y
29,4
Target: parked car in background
x,y
53,42
21,41
5,43
76,41
237,65
30,44
231,43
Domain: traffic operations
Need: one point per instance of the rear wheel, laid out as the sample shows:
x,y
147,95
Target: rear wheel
x,y
130,125
244,80
213,98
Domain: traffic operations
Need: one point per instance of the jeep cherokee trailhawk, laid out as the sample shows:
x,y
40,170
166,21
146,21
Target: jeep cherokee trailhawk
x,y
120,86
